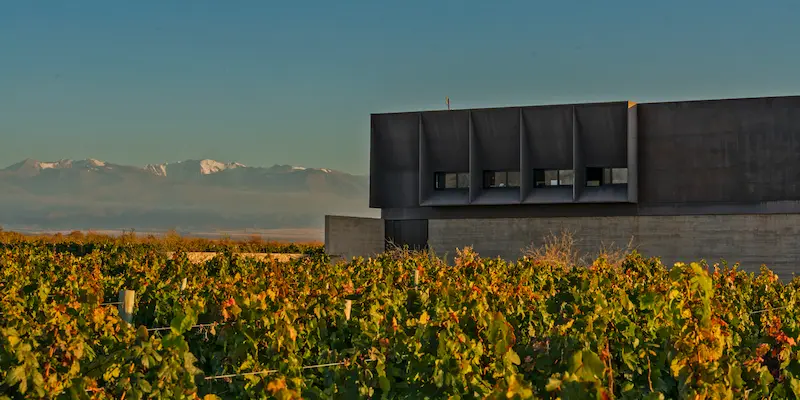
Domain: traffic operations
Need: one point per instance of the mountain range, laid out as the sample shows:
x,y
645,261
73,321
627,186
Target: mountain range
x,y
186,195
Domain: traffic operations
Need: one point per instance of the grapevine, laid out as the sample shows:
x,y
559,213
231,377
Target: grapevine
x,y
400,325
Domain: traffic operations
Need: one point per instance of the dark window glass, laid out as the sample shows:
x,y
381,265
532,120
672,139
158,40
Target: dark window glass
x,y
488,179
553,177
463,180
500,179
513,178
606,176
538,178
440,181
594,176
451,180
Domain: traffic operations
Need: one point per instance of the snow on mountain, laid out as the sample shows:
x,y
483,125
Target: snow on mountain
x,y
212,166
156,169
55,164
31,164
94,162
202,167
178,170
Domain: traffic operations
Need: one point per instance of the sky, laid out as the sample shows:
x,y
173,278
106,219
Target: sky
x,y
294,82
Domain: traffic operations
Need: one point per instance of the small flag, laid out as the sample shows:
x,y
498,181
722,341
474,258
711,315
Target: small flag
x,y
447,100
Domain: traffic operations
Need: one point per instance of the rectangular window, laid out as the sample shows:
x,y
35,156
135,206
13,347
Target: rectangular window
x,y
619,175
463,180
500,179
594,177
606,176
513,178
451,180
538,178
566,177
553,177
439,181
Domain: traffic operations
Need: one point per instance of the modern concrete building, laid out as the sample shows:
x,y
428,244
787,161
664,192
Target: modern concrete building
x,y
685,180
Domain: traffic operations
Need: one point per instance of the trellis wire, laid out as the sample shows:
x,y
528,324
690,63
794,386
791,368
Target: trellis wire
x,y
272,371
769,309
166,328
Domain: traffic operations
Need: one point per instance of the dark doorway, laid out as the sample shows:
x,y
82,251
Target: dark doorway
x,y
410,232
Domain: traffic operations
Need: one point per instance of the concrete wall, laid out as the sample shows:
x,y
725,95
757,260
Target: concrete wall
x,y
349,237
748,239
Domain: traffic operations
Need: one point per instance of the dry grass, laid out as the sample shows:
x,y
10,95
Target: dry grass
x,y
561,250
168,241
557,250
615,256
199,257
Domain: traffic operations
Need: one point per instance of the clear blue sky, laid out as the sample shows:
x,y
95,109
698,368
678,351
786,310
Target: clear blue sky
x,y
265,82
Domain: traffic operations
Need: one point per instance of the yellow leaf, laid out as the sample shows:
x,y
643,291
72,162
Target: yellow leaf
x,y
276,385
423,319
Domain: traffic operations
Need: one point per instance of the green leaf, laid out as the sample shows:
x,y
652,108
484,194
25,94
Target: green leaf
x,y
735,376
182,322
384,384
587,365
593,364
145,386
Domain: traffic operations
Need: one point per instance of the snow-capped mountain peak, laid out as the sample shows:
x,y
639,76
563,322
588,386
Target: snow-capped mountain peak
x,y
282,168
89,163
35,165
202,167
178,170
54,164
212,166
156,169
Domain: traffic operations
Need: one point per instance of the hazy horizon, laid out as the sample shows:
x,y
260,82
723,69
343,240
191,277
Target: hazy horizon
x,y
265,83
159,163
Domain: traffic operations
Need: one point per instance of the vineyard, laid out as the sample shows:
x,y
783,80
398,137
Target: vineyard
x,y
402,325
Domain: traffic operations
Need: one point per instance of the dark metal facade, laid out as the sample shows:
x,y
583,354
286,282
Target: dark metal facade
x,y
693,157
411,233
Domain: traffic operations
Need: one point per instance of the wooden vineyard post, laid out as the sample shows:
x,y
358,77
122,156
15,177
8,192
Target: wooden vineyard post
x,y
183,284
347,307
126,299
416,278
